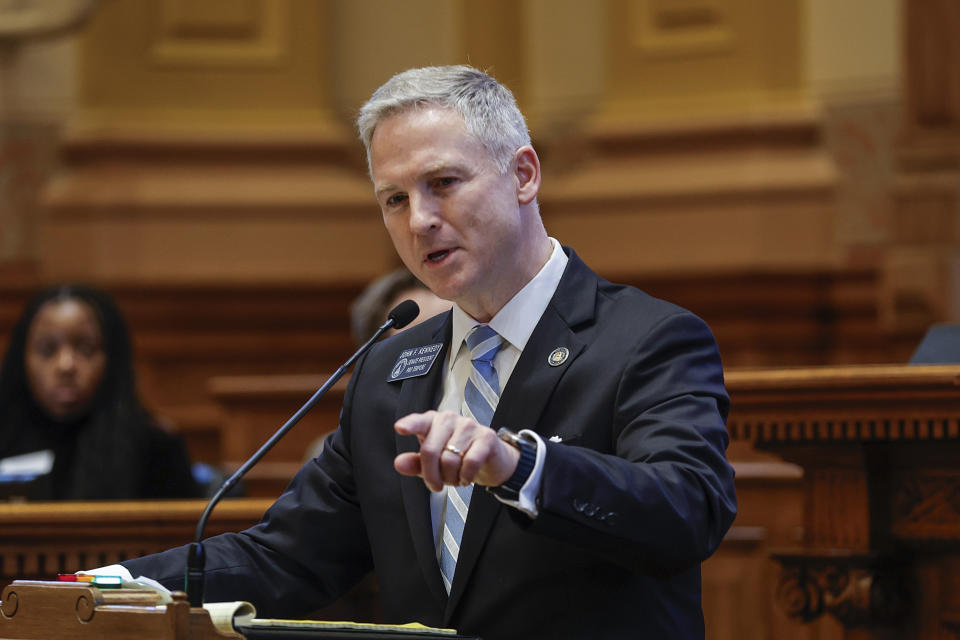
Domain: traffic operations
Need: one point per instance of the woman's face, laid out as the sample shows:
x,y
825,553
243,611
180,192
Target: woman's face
x,y
64,360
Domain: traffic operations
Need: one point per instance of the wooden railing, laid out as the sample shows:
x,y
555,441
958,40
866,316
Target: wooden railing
x,y
843,462
879,447
39,540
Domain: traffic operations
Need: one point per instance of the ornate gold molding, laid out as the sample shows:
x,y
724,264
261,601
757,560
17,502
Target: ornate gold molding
x,y
190,36
29,19
663,30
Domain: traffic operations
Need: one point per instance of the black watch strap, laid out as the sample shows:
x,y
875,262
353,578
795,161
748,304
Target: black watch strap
x,y
510,490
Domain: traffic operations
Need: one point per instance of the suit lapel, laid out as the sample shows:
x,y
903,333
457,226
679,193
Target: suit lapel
x,y
533,379
522,402
416,396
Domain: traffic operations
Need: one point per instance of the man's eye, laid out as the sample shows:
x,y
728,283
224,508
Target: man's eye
x,y
446,181
396,199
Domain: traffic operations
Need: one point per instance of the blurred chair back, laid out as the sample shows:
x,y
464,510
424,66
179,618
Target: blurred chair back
x,y
941,345
210,478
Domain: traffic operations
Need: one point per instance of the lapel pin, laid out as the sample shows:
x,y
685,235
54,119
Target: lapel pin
x,y
556,438
558,356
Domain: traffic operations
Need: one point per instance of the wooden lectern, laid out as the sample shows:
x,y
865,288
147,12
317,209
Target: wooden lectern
x,y
880,452
34,610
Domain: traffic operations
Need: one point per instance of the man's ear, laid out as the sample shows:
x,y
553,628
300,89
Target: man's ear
x,y
527,173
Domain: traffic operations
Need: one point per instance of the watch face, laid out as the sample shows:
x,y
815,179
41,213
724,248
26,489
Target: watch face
x,y
509,437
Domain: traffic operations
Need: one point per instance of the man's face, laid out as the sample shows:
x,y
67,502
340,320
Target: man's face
x,y
453,216
64,360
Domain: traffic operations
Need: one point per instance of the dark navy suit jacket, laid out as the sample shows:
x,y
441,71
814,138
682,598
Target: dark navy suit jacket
x,y
636,493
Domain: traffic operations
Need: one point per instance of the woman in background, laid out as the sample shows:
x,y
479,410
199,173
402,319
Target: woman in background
x,y
67,388
371,307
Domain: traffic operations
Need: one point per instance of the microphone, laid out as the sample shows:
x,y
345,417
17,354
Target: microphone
x,y
399,317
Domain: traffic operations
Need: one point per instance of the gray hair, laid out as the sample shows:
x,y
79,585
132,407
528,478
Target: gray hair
x,y
488,108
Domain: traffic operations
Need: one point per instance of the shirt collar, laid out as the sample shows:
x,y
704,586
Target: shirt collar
x,y
518,318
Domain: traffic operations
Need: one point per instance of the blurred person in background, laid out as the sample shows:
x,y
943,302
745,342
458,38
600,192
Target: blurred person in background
x,y
71,424
370,310
371,307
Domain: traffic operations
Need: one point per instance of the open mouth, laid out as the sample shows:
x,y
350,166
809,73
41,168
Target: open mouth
x,y
438,256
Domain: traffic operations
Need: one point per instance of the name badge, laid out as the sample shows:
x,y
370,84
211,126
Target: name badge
x,y
415,362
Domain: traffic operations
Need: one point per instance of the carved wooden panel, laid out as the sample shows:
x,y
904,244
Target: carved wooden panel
x,y
675,29
254,407
859,591
740,579
926,504
701,56
846,404
205,64
222,33
39,540
879,448
843,521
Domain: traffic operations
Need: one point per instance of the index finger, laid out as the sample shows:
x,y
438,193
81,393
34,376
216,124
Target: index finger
x,y
415,424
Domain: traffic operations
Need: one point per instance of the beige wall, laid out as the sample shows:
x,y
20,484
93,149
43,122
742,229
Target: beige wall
x,y
36,95
853,46
212,142
254,100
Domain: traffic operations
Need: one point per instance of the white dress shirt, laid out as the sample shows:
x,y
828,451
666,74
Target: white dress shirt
x,y
515,322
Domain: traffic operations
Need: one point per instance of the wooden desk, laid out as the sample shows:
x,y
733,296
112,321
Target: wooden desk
x,y
33,610
39,540
880,452
254,407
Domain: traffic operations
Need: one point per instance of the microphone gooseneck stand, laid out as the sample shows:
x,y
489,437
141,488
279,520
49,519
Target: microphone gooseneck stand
x,y
401,315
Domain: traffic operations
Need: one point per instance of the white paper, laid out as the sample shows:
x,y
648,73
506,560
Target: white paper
x,y
37,463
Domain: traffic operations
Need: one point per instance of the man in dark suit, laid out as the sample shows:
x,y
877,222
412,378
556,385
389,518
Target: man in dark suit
x,y
588,513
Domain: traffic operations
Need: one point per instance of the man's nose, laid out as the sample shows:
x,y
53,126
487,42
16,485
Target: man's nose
x,y
424,213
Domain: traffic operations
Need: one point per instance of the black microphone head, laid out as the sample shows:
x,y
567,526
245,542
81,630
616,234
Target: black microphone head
x,y
403,314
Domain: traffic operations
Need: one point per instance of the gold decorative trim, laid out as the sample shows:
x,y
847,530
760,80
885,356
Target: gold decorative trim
x,y
854,430
185,40
693,28
27,19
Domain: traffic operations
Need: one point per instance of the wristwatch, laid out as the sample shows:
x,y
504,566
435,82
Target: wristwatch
x,y
510,490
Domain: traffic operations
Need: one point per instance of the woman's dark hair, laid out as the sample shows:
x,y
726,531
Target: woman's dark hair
x,y
107,445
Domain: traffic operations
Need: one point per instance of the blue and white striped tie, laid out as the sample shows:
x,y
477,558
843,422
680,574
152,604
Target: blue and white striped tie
x,y
480,396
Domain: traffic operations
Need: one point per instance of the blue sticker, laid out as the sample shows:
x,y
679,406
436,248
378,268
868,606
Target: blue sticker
x,y
415,362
